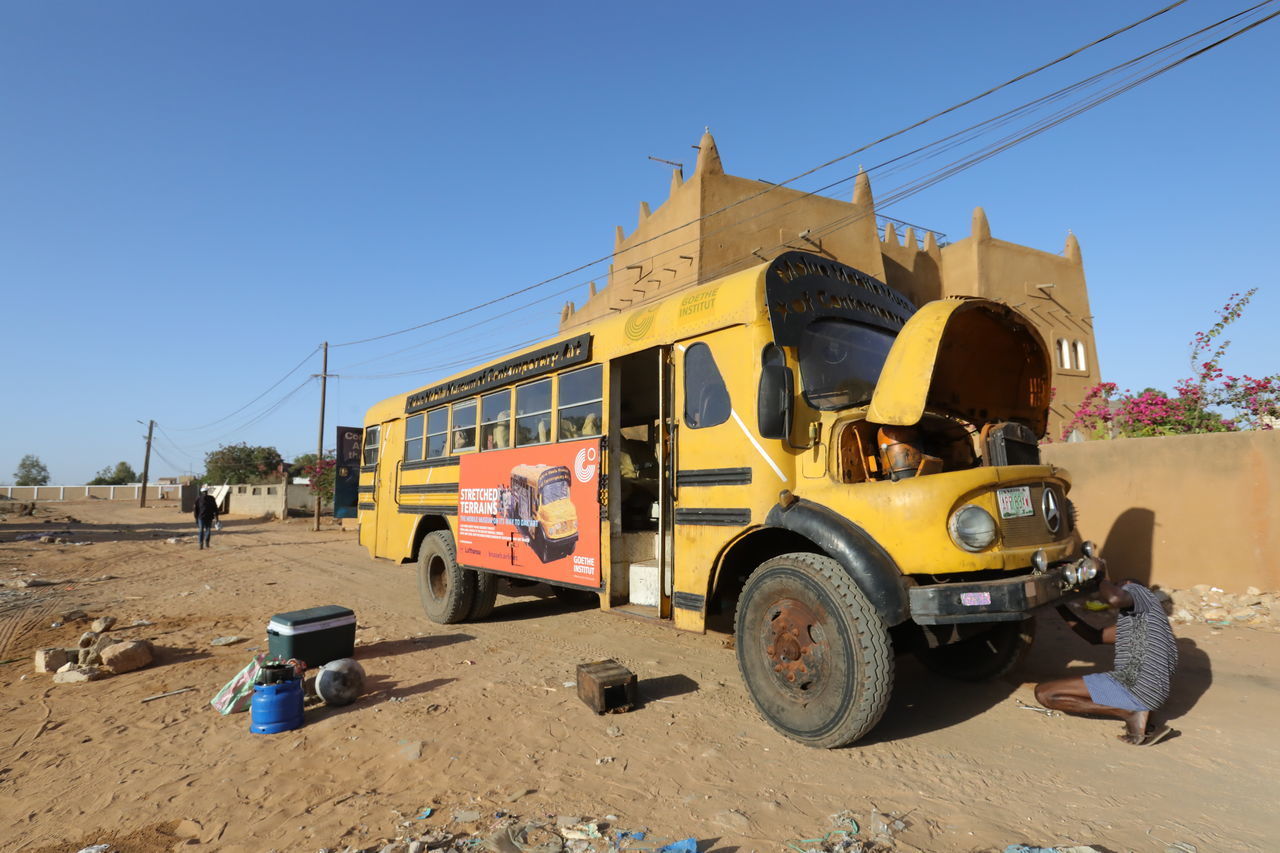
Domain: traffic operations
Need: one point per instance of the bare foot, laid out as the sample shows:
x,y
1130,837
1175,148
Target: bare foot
x,y
1135,725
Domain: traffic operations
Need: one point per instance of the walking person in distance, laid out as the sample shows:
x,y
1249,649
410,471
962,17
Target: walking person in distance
x,y
206,513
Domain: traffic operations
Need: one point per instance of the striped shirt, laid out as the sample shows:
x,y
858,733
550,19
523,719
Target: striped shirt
x,y
1146,653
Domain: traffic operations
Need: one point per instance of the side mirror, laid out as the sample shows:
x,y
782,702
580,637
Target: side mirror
x,y
773,403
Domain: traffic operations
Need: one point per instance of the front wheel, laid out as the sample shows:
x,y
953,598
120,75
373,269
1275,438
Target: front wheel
x,y
815,656
446,589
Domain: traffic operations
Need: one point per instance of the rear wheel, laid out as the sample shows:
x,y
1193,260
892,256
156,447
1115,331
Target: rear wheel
x,y
447,590
814,654
486,595
989,655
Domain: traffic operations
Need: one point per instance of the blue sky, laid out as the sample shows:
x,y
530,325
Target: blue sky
x,y
194,195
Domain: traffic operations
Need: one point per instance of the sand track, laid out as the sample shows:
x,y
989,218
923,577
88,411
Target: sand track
x,y
478,716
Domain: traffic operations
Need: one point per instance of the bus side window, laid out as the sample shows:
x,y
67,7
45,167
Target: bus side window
x,y
437,432
464,426
413,439
371,445
578,412
533,413
495,421
706,399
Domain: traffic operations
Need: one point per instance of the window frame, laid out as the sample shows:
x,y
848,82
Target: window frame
x,y
443,431
472,403
375,449
521,415
1079,356
415,423
561,406
486,424
704,384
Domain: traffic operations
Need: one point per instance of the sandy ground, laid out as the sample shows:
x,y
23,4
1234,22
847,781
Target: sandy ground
x,y
479,717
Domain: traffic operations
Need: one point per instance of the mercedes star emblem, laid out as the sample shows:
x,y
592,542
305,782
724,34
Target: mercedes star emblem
x,y
1052,514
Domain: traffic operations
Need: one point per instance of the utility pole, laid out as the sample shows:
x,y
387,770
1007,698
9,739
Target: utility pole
x,y
146,465
324,377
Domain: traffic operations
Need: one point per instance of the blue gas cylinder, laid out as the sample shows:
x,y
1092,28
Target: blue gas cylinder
x,y
277,701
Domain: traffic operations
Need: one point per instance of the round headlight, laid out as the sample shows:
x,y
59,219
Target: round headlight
x,y
1070,576
1090,548
1088,569
972,528
1040,560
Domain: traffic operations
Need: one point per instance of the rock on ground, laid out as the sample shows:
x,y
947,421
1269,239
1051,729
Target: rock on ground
x,y
50,660
77,674
128,655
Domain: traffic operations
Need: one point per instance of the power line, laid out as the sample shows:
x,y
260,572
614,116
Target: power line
x,y
266,412
254,400
772,187
909,189
945,143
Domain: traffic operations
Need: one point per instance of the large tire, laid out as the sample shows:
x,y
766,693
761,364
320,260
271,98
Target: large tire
x,y
815,655
447,590
989,655
486,595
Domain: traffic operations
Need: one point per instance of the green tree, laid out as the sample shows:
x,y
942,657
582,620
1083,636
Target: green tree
x,y
31,472
300,463
121,475
240,463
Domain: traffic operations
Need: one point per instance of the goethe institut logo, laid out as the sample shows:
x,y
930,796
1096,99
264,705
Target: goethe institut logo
x,y
584,464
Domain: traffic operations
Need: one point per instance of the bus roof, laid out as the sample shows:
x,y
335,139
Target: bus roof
x,y
736,298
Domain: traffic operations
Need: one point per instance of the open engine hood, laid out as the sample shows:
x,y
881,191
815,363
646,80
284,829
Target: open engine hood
x,y
975,358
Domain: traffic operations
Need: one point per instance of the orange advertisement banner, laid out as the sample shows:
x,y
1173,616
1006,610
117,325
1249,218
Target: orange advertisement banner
x,y
533,512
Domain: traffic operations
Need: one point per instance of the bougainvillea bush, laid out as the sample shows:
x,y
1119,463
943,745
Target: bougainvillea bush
x,y
321,473
1210,400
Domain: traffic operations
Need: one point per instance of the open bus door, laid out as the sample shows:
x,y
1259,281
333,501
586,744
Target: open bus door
x,y
385,481
639,484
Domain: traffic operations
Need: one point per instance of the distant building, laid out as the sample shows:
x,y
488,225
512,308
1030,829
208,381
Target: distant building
x,y
673,247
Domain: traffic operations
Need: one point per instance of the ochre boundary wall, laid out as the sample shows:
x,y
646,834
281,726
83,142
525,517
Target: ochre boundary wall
x,y
1181,510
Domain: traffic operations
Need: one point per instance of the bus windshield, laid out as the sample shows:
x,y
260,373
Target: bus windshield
x,y
554,486
840,362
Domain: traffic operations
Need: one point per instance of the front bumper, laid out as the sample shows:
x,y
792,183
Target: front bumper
x,y
1005,600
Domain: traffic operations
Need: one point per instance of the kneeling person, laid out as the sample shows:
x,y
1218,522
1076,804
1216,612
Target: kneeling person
x,y
1146,657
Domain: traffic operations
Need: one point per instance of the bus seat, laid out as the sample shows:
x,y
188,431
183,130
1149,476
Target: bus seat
x,y
591,424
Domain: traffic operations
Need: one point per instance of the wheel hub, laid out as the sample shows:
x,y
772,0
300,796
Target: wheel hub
x,y
793,645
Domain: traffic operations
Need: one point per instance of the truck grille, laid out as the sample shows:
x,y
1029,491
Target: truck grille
x,y
1032,529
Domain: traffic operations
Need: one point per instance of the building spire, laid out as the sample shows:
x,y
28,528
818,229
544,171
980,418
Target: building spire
x,y
708,157
862,190
1072,250
981,227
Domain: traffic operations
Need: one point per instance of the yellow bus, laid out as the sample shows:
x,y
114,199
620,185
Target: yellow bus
x,y
795,453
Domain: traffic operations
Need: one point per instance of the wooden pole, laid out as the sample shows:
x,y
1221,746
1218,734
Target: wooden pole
x,y
146,466
324,376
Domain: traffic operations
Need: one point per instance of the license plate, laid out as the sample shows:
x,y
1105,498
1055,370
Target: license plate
x,y
1015,502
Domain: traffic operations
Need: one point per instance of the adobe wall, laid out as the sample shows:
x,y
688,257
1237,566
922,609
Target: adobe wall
x,y
1181,510
257,501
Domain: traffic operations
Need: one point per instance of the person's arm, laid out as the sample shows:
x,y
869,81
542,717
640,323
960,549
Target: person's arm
x,y
1084,630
